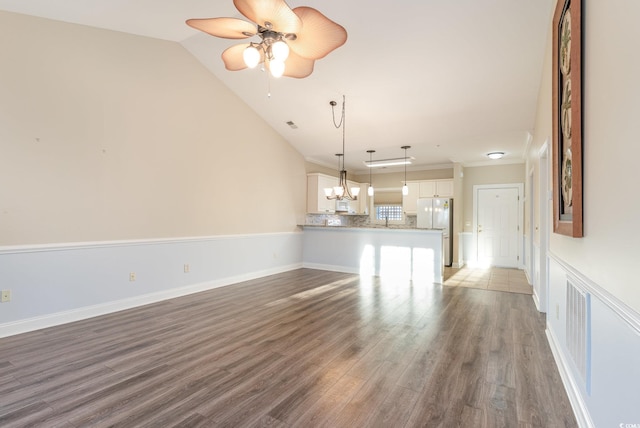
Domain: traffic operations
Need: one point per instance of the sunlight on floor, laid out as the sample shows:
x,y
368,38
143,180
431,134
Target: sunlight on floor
x,y
496,279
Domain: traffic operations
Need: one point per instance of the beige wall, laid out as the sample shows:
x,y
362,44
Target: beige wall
x,y
395,179
611,105
109,136
495,174
315,168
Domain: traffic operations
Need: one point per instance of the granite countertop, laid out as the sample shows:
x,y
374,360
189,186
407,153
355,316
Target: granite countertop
x,y
374,227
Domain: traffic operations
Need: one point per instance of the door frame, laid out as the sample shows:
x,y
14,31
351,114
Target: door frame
x,y
544,217
520,188
531,264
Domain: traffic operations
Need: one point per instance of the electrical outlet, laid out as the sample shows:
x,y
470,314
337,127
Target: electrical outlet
x,y
6,296
187,268
132,276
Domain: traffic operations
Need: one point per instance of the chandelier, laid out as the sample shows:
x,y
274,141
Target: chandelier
x,y
341,191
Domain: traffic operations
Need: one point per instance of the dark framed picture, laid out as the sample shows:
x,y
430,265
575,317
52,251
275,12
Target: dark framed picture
x,y
567,118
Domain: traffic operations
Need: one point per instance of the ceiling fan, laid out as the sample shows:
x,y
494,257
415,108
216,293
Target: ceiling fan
x,y
291,40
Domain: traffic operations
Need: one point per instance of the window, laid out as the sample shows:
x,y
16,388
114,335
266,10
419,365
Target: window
x,y
390,212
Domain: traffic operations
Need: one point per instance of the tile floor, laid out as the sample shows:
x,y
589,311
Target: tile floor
x,y
496,279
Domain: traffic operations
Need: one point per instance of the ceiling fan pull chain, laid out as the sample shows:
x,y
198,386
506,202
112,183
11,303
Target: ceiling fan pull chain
x,y
268,85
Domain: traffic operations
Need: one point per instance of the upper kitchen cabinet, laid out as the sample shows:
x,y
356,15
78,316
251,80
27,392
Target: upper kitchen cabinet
x,y
361,205
410,201
317,201
425,189
436,188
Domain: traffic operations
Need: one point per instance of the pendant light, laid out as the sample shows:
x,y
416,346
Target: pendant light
x,y
341,191
405,188
370,189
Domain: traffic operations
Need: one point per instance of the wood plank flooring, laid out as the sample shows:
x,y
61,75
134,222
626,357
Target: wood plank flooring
x,y
496,279
305,348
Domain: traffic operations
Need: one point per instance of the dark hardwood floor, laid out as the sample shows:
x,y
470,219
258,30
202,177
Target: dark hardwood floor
x,y
305,348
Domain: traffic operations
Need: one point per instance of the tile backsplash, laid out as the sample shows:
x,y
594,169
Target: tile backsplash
x,y
355,221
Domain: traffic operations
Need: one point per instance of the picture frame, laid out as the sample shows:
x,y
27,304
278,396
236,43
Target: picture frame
x,y
567,118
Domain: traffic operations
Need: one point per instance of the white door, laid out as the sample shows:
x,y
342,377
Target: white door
x,y
498,226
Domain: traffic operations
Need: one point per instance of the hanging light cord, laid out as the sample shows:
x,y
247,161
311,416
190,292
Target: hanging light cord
x,y
405,165
341,124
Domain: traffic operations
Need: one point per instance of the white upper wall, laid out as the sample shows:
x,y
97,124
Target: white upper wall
x,y
109,136
608,252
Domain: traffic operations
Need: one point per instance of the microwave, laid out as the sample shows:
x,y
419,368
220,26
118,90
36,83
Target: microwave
x,y
342,206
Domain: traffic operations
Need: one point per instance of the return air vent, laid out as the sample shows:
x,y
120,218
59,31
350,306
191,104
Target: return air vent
x,y
579,329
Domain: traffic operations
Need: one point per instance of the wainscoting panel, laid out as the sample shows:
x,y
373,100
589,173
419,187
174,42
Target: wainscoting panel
x,y
534,275
468,248
595,339
54,284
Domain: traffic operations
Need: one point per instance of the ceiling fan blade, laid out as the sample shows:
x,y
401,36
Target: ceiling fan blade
x,y
227,28
297,66
233,59
318,36
277,12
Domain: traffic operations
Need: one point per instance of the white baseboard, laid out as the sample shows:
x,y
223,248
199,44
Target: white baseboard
x,y
51,320
577,404
331,268
527,274
536,300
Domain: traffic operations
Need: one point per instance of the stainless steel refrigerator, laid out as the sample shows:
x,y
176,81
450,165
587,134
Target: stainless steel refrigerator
x,y
437,213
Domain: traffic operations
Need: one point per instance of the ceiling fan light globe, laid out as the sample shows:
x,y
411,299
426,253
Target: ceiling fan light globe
x,y
276,67
280,50
251,56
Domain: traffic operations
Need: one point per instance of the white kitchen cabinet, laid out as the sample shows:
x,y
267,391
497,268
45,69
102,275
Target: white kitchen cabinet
x,y
359,206
436,188
317,201
410,201
444,188
428,189
364,199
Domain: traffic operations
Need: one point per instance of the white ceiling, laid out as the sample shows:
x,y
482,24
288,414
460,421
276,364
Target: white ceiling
x,y
454,80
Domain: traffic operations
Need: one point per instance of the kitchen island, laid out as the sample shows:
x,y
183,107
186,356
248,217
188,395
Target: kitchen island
x,y
385,252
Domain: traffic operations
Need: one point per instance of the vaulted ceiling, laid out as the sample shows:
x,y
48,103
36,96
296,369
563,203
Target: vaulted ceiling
x,y
454,80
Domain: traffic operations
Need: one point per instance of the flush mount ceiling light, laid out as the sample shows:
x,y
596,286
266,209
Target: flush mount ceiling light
x,y
291,40
388,162
341,191
495,155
